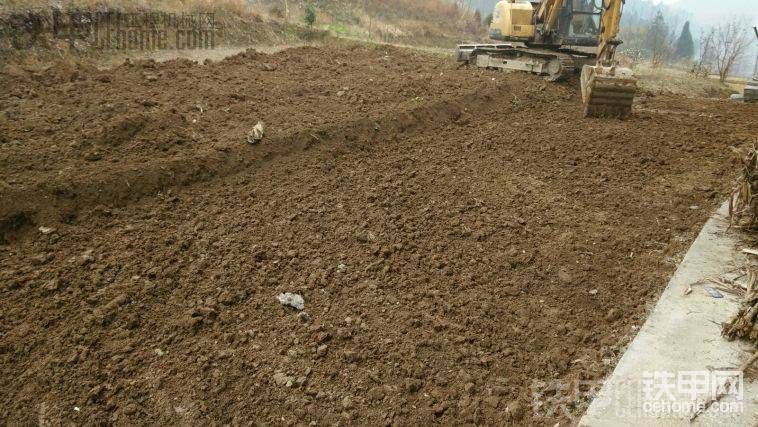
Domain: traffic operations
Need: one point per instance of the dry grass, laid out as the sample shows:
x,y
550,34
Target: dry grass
x,y
429,23
436,10
425,22
239,24
680,82
416,22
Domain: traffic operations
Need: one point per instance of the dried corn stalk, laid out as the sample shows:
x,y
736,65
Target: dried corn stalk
x,y
743,204
744,323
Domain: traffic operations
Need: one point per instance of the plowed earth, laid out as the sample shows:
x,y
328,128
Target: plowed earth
x,y
458,236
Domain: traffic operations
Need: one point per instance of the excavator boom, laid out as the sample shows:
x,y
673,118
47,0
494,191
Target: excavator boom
x,y
548,13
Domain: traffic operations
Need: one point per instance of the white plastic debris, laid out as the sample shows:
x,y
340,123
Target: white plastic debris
x,y
292,300
713,292
256,135
46,230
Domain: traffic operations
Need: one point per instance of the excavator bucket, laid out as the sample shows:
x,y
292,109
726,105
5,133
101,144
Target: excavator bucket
x,y
608,91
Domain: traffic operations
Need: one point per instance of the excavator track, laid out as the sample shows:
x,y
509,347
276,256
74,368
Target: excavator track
x,y
554,65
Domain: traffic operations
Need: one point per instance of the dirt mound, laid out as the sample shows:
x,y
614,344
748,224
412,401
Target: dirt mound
x,y
146,113
459,237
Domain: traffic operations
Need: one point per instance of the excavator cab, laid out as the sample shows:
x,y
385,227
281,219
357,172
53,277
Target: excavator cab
x,y
574,23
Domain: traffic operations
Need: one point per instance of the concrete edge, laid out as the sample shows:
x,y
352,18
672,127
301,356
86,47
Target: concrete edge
x,y
661,378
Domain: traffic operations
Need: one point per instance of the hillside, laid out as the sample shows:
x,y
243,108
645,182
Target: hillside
x,y
436,23
425,22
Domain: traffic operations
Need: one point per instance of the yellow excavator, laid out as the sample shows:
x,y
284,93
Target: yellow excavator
x,y
556,38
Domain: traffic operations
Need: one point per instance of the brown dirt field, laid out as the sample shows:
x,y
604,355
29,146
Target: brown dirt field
x,y
445,227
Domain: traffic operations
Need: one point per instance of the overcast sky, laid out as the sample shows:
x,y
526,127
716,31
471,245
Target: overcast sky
x,y
707,12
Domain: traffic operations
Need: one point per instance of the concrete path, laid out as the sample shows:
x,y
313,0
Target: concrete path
x,y
679,356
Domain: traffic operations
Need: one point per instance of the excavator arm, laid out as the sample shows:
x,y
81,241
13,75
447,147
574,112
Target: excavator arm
x,y
610,20
608,90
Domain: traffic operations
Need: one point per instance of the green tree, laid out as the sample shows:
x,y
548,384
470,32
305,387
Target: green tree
x,y
310,15
488,20
685,45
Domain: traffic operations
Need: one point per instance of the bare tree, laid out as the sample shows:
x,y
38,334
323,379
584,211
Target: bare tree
x,y
731,42
706,53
